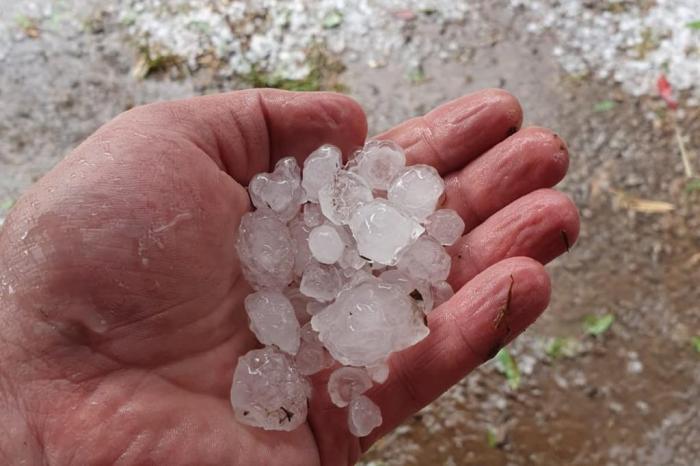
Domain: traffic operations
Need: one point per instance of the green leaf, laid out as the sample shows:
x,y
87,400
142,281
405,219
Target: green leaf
x,y
692,185
491,439
332,20
417,75
694,25
696,343
6,204
604,105
597,325
509,367
559,347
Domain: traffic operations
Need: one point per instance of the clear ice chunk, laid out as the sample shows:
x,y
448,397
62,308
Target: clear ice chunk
x,y
363,416
319,169
272,320
379,162
379,372
312,357
321,282
313,216
325,244
265,250
368,322
346,384
345,193
417,189
442,291
396,277
299,233
279,191
445,225
425,260
382,231
268,391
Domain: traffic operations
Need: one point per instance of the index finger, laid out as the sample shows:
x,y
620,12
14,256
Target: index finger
x,y
455,133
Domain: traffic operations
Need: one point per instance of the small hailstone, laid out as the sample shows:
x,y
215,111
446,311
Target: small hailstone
x,y
351,260
313,216
325,244
345,193
417,189
379,162
425,260
320,282
442,291
279,191
265,250
398,278
314,307
299,233
445,225
346,384
368,322
319,169
379,372
312,357
273,320
382,231
363,416
268,391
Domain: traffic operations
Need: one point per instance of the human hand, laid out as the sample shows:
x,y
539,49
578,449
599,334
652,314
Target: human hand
x,y
121,316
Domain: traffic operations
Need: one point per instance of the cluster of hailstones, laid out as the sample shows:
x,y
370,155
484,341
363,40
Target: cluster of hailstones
x,y
345,263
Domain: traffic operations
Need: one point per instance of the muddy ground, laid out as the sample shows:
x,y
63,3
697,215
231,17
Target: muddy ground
x,y
628,396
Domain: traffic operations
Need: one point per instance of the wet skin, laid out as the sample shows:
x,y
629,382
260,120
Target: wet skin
x,y
121,312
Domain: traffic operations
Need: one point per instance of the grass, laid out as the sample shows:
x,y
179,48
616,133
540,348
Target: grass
x,y
507,365
596,325
323,75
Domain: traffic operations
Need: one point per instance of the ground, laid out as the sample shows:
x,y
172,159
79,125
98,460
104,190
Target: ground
x,y
626,396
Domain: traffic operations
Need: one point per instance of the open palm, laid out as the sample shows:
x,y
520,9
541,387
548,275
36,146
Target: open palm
x,y
121,314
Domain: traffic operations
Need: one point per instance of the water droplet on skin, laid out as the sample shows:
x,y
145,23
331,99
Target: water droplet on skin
x,y
24,235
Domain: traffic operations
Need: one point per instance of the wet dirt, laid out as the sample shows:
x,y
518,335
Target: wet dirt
x,y
630,396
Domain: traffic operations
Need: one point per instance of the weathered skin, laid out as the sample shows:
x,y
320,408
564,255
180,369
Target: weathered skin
x,y
121,296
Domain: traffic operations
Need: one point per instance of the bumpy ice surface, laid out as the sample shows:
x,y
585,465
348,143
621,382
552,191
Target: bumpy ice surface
x,y
346,261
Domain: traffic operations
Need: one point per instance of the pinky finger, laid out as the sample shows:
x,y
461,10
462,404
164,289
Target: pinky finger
x,y
485,314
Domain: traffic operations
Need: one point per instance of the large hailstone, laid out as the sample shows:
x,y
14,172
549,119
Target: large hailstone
x,y
382,231
279,191
272,320
268,391
425,260
345,193
379,162
265,250
445,225
417,189
368,322
319,169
